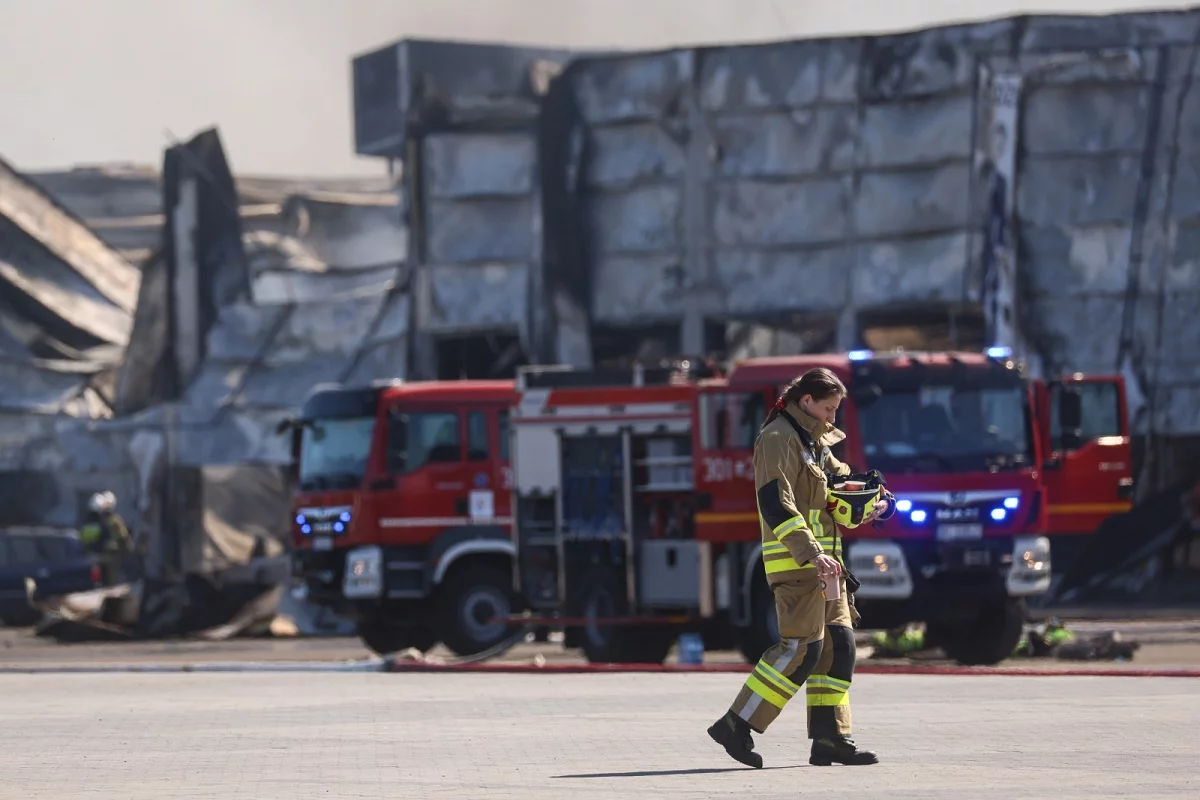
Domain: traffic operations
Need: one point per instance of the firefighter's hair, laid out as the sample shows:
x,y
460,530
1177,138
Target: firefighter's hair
x,y
819,382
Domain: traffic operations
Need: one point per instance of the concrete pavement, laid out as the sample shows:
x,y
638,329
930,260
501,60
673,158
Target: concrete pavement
x,y
303,735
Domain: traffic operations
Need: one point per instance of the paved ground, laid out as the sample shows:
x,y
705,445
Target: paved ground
x,y
323,735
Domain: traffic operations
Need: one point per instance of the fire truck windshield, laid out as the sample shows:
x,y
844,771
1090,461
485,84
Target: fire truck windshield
x,y
946,428
333,452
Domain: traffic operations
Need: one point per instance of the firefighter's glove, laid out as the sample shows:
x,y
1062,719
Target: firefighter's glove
x,y
890,499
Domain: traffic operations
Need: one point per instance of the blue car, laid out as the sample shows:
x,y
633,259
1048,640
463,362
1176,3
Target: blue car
x,y
56,561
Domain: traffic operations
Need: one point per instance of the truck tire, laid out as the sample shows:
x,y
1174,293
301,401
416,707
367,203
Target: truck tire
x,y
385,638
763,630
601,597
991,639
470,599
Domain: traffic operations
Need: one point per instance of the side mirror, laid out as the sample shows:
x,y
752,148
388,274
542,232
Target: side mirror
x,y
397,442
1070,416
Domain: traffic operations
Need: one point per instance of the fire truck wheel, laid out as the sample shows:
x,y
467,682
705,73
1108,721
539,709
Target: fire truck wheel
x,y
474,601
989,640
763,630
384,638
608,644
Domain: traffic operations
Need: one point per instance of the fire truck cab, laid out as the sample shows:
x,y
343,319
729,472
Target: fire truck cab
x,y
402,511
636,518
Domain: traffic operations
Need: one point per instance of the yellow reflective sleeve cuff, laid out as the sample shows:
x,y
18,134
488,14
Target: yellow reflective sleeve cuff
x,y
791,526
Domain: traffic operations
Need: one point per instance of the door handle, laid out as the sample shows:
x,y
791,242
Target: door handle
x,y
460,507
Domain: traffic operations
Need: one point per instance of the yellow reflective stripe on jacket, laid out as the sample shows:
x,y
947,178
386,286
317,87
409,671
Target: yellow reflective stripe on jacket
x,y
777,558
832,543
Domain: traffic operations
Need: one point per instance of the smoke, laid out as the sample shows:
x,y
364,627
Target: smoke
x,y
96,82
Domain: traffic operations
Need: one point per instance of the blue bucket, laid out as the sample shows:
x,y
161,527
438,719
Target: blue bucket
x,y
691,648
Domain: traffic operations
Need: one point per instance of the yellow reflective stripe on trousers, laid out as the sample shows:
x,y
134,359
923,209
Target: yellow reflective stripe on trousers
x,y
768,693
776,679
822,690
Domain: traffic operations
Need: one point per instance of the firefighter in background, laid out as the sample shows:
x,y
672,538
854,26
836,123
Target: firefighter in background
x,y
106,537
802,552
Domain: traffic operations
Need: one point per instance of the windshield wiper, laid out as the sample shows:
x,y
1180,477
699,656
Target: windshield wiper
x,y
331,480
343,480
926,457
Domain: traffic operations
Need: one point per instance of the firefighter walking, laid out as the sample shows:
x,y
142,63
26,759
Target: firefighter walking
x,y
802,558
106,538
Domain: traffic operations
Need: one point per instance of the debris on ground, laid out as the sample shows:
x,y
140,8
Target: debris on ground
x,y
206,607
1052,639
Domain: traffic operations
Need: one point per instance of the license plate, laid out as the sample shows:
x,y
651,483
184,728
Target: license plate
x,y
960,532
323,543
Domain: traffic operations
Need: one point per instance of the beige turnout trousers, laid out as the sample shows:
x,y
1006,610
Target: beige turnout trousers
x,y
813,634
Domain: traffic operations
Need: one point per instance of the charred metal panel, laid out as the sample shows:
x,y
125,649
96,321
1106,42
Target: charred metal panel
x,y
786,143
755,214
635,289
460,166
897,203
479,231
634,154
471,297
914,271
785,280
925,131
1076,260
423,83
645,220
1089,33
772,76
635,87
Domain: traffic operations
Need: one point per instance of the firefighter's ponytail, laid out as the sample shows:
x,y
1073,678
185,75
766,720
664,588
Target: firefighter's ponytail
x,y
820,382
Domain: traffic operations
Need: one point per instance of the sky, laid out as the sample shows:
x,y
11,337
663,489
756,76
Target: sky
x,y
90,81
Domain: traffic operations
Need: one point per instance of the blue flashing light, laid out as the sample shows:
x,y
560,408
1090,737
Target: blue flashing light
x,y
345,516
339,527
999,352
860,355
904,506
306,528
918,516
999,514
1012,503
300,519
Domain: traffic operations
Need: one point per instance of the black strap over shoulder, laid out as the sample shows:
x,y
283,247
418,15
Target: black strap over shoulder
x,y
804,435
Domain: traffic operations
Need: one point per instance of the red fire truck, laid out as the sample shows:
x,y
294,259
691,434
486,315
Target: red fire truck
x,y
635,511
402,517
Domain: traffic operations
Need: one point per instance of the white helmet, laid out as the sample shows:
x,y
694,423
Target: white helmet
x,y
102,501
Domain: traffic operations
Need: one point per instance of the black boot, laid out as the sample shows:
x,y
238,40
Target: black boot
x,y
733,733
841,750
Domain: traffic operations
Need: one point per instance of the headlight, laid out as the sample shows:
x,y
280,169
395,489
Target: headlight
x,y
1030,571
881,568
364,573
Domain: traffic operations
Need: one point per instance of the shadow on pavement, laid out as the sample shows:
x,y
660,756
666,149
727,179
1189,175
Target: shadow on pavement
x,y
664,772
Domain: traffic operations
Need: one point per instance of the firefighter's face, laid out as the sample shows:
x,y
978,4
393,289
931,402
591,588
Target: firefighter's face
x,y
823,410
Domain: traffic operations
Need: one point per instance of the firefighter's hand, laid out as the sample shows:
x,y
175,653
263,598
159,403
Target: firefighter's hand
x,y
879,508
827,567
